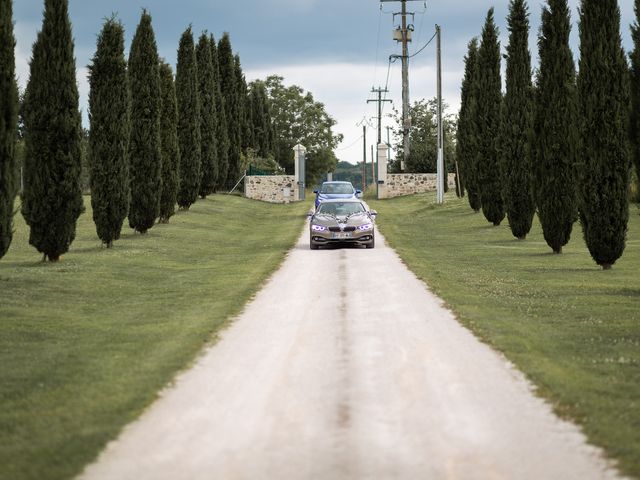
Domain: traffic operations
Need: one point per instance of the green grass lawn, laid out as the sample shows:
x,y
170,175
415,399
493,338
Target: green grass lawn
x,y
572,328
85,344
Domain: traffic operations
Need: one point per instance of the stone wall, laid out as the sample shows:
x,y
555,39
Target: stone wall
x,y
272,188
400,184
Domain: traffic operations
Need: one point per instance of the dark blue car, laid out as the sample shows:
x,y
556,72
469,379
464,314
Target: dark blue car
x,y
335,190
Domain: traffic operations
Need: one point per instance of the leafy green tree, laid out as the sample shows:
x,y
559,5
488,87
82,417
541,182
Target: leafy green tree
x,y
424,137
8,126
635,92
489,98
517,117
467,135
145,157
555,134
298,118
222,128
603,95
208,117
52,198
229,88
169,144
189,136
108,136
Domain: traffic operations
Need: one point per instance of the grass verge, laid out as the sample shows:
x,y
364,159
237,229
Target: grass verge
x,y
86,344
573,329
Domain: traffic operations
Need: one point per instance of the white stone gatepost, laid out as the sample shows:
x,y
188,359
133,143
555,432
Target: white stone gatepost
x,y
299,164
383,153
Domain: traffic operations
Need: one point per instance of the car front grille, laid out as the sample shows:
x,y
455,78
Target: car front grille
x,y
342,229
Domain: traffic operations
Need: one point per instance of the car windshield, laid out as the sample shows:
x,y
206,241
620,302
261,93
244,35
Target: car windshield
x,y
339,188
340,209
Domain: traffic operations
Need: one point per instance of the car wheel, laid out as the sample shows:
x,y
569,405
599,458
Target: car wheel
x,y
372,244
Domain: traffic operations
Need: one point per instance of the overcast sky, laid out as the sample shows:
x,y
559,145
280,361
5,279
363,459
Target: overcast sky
x,y
336,49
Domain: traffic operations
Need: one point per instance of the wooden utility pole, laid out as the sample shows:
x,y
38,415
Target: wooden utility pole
x,y
379,101
403,35
363,122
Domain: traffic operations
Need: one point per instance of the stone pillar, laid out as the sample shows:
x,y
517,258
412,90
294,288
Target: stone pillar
x,y
383,151
299,164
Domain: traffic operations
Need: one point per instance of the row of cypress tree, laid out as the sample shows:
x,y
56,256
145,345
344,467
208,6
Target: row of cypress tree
x,y
558,144
154,142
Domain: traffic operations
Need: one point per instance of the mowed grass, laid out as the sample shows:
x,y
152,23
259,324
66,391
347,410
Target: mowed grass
x,y
572,328
86,344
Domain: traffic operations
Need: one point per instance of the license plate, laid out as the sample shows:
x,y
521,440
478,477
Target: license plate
x,y
341,235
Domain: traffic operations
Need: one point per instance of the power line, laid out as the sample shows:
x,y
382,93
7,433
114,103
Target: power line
x,y
350,145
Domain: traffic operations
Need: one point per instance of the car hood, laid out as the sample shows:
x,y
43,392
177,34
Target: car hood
x,y
331,221
325,196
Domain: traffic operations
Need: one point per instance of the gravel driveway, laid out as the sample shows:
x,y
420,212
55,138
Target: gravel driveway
x,y
346,367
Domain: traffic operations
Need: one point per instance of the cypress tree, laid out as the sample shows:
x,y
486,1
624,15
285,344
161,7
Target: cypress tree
x,y
229,89
555,128
261,120
189,139
517,123
169,144
489,98
144,145
108,135
222,129
52,197
635,91
208,117
603,95
467,137
8,126
244,107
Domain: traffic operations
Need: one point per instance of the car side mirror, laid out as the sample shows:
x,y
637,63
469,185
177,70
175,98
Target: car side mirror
x,y
358,192
315,191
373,213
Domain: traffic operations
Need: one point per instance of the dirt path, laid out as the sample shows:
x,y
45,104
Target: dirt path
x,y
346,367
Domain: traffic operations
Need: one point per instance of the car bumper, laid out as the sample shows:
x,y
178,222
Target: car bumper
x,y
331,238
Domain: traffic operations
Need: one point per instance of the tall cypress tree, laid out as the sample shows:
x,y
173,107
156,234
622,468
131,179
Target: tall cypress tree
x,y
229,89
467,137
261,120
169,144
8,125
189,138
222,129
603,95
144,145
489,99
635,91
555,128
108,135
244,107
52,197
517,116
208,117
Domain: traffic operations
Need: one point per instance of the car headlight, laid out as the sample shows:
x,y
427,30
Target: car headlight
x,y
366,227
318,228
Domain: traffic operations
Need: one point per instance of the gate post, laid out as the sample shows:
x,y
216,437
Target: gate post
x,y
383,151
299,165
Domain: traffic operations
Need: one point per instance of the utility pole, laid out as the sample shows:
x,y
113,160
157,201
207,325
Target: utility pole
x,y
440,165
379,101
363,122
404,35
